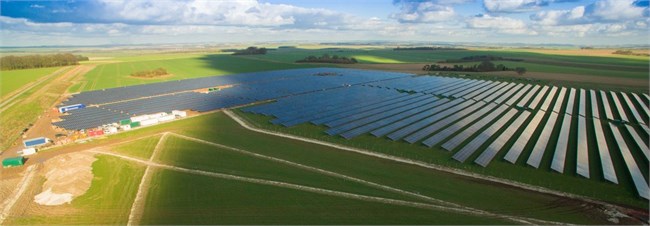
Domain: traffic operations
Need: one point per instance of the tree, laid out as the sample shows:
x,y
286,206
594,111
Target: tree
x,y
520,70
486,66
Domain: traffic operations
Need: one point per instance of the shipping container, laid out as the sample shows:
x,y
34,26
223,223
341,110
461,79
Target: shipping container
x,y
125,121
149,122
110,130
35,142
126,127
134,124
139,118
179,113
166,118
12,162
71,107
28,151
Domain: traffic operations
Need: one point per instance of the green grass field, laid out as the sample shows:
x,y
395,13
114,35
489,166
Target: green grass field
x,y
15,79
142,148
584,65
187,199
180,66
107,201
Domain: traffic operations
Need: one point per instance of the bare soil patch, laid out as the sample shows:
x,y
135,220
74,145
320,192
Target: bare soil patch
x,y
67,176
152,77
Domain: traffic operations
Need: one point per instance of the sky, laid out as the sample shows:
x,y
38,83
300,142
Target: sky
x,y
103,22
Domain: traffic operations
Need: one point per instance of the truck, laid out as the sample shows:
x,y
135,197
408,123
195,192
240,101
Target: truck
x,y
71,107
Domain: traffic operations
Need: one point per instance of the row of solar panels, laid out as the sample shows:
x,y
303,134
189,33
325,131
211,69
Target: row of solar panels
x,y
269,78
468,124
111,105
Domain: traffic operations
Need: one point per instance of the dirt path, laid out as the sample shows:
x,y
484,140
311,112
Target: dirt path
x,y
324,191
476,176
8,204
138,203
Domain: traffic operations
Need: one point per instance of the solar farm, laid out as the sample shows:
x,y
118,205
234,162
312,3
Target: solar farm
x,y
471,118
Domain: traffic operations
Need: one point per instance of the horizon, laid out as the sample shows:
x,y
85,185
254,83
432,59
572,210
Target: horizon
x,y
524,22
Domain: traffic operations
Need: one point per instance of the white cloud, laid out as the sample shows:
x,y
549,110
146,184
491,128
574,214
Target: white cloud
x,y
602,11
517,6
505,25
412,11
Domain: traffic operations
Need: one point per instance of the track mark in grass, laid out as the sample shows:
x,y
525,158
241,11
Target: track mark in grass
x,y
138,203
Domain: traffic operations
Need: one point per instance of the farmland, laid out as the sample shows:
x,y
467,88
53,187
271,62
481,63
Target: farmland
x,y
13,80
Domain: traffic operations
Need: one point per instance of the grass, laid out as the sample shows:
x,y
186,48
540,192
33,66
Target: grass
x,y
15,79
180,67
193,155
595,187
107,201
142,148
187,199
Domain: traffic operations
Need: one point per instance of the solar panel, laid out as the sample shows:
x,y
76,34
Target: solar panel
x,y
559,156
533,104
466,133
501,93
497,89
540,146
638,141
453,128
582,167
359,115
517,95
480,139
524,137
642,104
377,124
572,97
609,173
486,89
486,157
423,130
619,107
528,95
417,117
637,177
632,108
582,108
560,100
549,98
608,110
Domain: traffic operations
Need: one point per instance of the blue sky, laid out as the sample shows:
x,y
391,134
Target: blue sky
x,y
97,22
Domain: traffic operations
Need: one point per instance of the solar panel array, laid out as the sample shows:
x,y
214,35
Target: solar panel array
x,y
477,121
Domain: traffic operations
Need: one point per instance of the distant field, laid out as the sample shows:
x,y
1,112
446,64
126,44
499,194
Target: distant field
x,y
107,201
612,66
14,79
180,66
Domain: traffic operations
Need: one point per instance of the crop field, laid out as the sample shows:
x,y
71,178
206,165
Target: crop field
x,y
15,79
636,67
179,66
142,148
107,201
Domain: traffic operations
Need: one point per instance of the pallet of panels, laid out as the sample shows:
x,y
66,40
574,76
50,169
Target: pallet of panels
x,y
488,154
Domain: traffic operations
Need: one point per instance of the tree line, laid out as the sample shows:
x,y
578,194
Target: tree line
x,y
484,66
150,73
326,58
480,58
427,48
250,51
39,61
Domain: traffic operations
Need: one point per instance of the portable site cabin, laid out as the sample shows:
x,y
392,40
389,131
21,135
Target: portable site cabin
x,y
13,162
35,142
71,107
28,151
